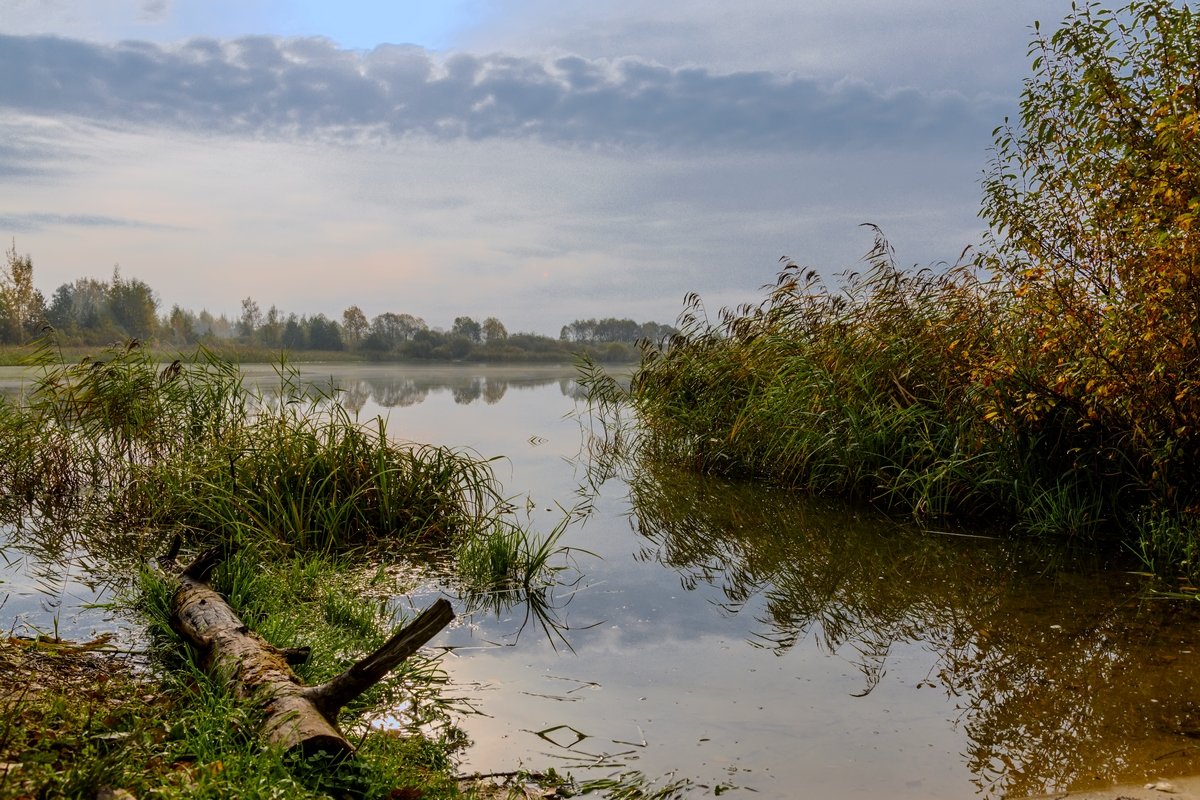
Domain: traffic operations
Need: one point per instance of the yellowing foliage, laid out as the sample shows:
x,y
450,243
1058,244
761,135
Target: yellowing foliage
x,y
1093,200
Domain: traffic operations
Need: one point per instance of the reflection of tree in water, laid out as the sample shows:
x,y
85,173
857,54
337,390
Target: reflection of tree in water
x,y
397,392
467,393
494,390
355,395
401,391
1061,674
571,388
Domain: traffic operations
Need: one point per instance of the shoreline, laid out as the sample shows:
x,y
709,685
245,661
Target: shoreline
x,y
1182,788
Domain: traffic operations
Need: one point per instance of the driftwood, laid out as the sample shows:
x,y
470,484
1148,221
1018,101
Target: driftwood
x,y
296,717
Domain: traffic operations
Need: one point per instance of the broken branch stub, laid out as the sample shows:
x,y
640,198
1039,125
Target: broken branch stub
x,y
296,717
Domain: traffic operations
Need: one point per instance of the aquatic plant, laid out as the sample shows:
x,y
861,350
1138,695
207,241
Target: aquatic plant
x,y
503,566
886,389
864,391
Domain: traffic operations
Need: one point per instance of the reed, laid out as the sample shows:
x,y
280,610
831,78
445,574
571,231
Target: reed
x,y
503,566
894,387
863,392
188,447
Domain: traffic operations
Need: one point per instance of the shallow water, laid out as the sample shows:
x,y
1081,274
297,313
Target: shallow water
x,y
745,637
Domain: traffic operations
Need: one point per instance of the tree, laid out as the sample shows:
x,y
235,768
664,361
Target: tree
x,y
271,332
388,330
132,306
494,330
22,307
324,333
1093,200
606,330
213,327
81,309
354,326
467,328
180,326
250,320
292,336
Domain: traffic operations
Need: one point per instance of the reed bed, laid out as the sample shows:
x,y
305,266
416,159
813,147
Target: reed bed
x,y
906,389
188,448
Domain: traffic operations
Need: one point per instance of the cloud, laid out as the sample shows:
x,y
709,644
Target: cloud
x,y
155,10
969,46
19,160
40,221
311,88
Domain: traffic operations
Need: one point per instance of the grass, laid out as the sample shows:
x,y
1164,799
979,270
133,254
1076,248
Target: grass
x,y
505,566
75,725
96,726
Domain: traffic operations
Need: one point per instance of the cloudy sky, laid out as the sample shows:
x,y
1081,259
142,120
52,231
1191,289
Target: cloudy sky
x,y
535,160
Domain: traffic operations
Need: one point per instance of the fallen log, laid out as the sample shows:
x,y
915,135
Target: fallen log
x,y
297,718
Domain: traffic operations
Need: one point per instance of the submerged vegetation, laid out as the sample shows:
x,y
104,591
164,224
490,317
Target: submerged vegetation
x,y
1051,382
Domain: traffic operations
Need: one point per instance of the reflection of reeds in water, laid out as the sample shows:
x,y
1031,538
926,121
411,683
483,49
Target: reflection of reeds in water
x,y
505,566
1053,664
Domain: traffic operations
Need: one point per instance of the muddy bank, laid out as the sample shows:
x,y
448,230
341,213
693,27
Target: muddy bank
x,y
1187,788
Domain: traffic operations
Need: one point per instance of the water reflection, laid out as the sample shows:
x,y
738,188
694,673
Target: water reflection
x,y
1061,671
395,389
57,579
390,386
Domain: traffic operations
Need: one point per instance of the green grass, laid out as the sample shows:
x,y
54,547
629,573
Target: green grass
x,y
504,566
184,735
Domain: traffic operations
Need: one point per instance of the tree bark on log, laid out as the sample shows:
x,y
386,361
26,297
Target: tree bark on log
x,y
297,717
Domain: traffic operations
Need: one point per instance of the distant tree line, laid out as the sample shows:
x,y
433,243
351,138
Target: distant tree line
x,y
88,311
603,331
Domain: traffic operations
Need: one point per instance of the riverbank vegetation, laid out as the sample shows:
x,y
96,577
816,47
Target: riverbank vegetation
x,y
1050,380
117,455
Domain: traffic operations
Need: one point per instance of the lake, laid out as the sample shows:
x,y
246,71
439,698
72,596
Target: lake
x,y
749,639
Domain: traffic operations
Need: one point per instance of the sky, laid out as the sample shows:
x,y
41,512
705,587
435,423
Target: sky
x,y
534,160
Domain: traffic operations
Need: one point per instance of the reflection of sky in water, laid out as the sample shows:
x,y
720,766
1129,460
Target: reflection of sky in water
x,y
50,594
787,647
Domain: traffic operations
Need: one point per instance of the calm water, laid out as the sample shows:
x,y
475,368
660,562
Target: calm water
x,y
744,637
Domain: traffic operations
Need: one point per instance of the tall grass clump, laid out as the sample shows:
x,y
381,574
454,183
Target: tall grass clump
x,y
919,392
187,447
504,566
